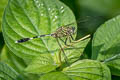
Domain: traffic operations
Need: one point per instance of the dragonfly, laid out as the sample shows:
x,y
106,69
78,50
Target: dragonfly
x,y
64,31
59,33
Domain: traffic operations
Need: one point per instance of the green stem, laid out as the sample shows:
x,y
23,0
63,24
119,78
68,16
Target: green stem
x,y
111,58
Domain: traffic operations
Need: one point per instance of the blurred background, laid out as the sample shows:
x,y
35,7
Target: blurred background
x,y
90,14
96,12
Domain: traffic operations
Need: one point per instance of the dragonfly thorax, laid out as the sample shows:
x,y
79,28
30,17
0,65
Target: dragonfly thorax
x,y
63,32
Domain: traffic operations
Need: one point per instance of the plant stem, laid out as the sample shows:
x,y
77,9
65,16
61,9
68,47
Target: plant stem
x,y
111,58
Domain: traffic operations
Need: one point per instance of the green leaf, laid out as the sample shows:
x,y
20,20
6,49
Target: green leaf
x,y
54,76
88,70
43,63
106,44
2,6
8,73
16,63
29,18
9,58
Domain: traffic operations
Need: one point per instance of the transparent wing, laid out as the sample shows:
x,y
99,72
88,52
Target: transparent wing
x,y
78,21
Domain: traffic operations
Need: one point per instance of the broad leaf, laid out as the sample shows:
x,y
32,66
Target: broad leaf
x,y
88,70
106,44
8,57
29,18
43,63
54,76
15,62
8,73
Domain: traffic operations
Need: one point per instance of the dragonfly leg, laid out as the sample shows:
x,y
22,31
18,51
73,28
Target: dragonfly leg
x,y
60,57
65,57
62,40
65,42
71,37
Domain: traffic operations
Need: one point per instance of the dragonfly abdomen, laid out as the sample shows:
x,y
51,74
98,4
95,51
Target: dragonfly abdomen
x,y
27,39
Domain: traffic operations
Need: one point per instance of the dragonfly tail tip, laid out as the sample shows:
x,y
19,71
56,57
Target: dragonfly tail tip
x,y
16,41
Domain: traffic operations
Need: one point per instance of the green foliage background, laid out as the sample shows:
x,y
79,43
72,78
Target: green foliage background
x,y
96,15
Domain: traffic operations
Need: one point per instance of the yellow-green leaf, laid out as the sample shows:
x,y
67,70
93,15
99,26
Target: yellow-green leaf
x,y
88,70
